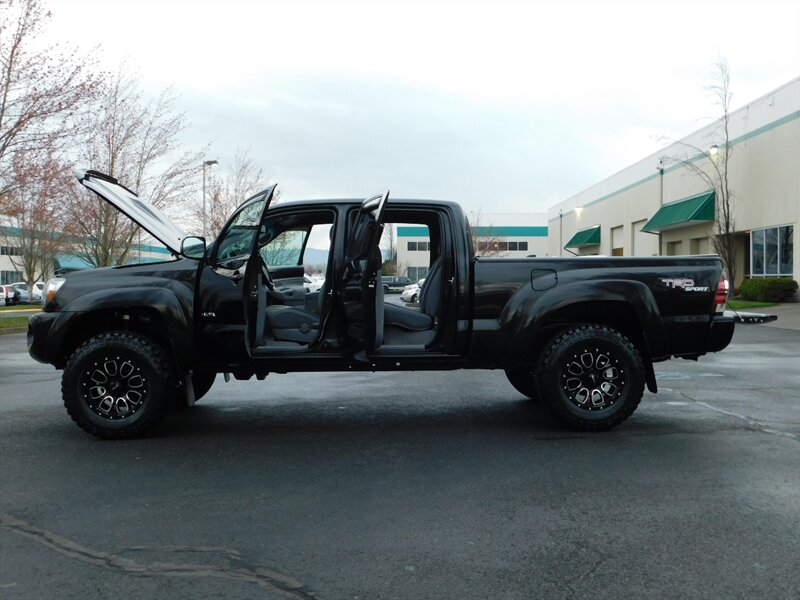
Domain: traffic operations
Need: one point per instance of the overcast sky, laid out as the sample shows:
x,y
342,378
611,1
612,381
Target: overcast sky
x,y
500,106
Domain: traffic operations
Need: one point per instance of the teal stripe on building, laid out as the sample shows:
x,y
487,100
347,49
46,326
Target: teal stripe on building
x,y
501,231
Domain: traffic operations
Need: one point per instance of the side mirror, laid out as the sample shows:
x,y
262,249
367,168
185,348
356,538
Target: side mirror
x,y
193,247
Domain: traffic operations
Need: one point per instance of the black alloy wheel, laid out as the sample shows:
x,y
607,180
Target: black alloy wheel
x,y
591,376
118,385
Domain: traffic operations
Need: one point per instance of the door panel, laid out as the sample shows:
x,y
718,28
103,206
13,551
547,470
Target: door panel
x,y
289,284
360,291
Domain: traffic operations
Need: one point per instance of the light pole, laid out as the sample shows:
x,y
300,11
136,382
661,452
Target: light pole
x,y
206,163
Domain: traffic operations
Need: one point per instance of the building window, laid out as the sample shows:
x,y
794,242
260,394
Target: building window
x,y
512,246
412,246
675,248
523,246
617,241
416,273
772,251
10,277
10,251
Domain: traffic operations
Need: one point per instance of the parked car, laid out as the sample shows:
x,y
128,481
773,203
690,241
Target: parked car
x,y
10,295
394,283
578,334
411,293
22,288
312,283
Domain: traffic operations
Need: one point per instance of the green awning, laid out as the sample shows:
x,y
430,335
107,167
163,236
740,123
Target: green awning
x,y
698,209
585,237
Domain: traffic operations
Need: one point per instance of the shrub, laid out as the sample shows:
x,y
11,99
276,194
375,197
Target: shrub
x,y
768,289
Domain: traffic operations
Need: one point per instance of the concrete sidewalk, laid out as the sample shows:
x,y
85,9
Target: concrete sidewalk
x,y
788,316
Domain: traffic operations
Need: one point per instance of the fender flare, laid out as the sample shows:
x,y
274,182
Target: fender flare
x,y
175,320
523,317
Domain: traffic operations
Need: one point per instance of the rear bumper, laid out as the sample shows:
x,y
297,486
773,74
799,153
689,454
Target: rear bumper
x,y
720,333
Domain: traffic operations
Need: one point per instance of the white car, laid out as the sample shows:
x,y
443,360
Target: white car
x,y
25,297
38,290
312,283
411,292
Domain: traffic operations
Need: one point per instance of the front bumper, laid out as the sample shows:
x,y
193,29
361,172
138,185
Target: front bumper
x,y
720,333
39,326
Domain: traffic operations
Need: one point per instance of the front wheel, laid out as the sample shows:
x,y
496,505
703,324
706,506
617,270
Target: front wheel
x,y
591,377
118,385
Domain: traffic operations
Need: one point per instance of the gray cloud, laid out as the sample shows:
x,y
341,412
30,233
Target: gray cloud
x,y
347,136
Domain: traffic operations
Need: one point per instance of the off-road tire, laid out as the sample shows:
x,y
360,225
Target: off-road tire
x,y
118,385
524,381
590,377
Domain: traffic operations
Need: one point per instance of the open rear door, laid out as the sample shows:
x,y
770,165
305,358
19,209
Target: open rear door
x,y
360,289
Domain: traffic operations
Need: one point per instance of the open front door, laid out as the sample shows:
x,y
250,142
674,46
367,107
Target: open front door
x,y
237,249
360,289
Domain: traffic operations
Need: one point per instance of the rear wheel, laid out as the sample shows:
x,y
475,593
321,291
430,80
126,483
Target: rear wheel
x,y
118,385
591,377
523,380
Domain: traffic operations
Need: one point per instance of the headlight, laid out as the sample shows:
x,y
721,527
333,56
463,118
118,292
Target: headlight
x,y
50,289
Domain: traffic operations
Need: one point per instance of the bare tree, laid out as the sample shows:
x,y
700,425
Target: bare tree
x,y
42,91
711,166
137,142
485,241
389,243
225,193
30,215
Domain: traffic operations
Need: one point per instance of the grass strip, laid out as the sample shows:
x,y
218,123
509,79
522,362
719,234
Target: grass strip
x,y
745,304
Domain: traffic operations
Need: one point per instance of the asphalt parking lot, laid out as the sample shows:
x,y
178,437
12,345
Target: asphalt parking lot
x,y
411,486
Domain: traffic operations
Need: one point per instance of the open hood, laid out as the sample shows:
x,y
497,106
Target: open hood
x,y
147,216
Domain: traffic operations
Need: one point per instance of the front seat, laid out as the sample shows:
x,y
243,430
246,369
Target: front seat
x,y
412,320
292,324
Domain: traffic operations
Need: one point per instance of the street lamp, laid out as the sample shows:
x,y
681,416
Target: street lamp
x,y
206,163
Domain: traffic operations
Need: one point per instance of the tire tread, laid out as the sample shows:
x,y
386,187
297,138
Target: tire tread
x,y
158,403
545,365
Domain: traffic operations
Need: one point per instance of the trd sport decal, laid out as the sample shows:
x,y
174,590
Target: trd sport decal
x,y
687,285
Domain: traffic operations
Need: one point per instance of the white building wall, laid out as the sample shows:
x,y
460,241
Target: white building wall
x,y
764,176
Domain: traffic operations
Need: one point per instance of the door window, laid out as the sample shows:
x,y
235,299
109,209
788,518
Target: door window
x,y
237,239
285,249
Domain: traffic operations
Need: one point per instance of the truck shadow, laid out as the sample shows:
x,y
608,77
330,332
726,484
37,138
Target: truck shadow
x,y
217,420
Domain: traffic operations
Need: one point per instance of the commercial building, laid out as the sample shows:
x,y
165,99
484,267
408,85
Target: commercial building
x,y
661,206
65,262
496,234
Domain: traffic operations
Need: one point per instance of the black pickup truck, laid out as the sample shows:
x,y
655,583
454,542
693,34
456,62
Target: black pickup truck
x,y
578,334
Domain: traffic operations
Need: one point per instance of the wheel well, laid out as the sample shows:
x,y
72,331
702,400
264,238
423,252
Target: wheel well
x,y
617,315
144,320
